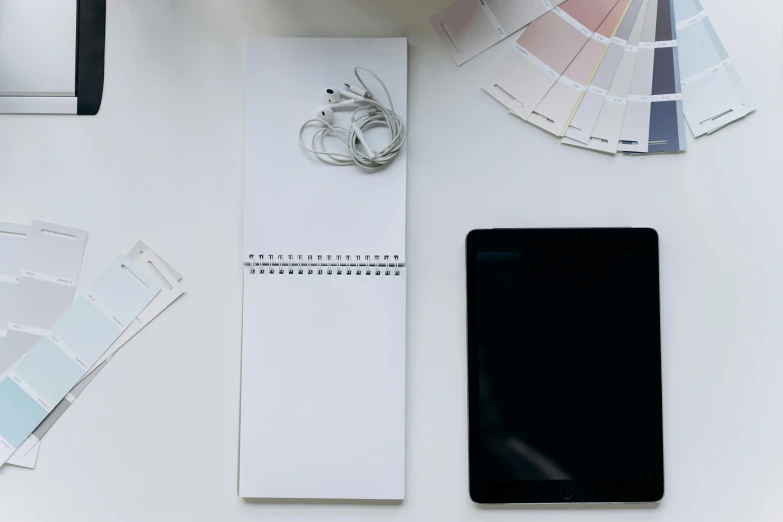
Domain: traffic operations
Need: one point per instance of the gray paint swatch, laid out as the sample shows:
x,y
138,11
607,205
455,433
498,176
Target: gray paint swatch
x,y
64,404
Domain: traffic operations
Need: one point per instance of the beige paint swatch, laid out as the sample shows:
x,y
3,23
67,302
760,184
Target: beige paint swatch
x,y
543,52
606,133
554,112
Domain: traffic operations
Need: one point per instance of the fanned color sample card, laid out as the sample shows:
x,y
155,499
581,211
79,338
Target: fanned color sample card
x,y
50,265
667,123
605,136
62,356
581,126
554,111
635,132
470,27
605,75
543,52
13,239
713,92
170,282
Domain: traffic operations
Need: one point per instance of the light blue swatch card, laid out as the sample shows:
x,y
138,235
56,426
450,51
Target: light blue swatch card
x,y
18,411
49,371
713,92
74,343
686,9
700,48
85,329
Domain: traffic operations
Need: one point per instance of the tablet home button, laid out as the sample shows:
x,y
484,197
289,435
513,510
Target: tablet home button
x,y
566,493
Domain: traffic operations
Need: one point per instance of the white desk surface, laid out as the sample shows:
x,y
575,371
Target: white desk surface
x,y
162,162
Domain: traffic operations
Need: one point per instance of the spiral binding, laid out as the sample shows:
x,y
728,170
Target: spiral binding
x,y
319,264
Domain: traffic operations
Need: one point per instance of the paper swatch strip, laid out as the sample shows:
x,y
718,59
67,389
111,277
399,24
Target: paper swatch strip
x,y
170,282
61,357
13,239
28,461
543,52
667,124
51,260
713,92
554,111
606,132
171,288
635,133
469,27
582,124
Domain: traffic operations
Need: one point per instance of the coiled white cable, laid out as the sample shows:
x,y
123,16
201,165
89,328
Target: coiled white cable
x,y
370,113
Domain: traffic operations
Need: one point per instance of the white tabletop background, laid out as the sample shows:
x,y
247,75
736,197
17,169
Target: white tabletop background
x,y
155,436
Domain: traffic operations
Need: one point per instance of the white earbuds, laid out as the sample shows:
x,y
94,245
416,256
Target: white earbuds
x,y
368,112
332,95
326,112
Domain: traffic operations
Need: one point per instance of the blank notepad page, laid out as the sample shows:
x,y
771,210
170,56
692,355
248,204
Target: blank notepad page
x,y
323,349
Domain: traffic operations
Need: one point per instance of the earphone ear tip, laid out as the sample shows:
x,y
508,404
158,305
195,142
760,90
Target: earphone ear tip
x,y
325,114
331,95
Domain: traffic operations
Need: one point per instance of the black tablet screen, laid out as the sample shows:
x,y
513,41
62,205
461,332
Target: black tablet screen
x,y
567,358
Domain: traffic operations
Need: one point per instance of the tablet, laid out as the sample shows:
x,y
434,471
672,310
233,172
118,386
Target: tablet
x,y
564,366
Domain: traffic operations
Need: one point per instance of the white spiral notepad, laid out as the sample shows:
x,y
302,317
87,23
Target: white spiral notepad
x,y
323,349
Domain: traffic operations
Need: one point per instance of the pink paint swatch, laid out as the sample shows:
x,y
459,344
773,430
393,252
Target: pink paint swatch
x,y
544,52
589,13
554,111
553,41
581,69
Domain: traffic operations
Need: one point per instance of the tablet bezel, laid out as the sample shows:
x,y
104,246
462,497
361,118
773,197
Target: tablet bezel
x,y
560,491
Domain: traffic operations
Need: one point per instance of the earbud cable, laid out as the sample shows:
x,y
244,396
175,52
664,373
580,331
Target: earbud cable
x,y
372,113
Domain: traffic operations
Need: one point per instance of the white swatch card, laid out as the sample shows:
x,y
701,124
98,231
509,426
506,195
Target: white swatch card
x,y
170,283
172,287
635,133
582,124
28,461
605,136
47,282
61,357
470,27
13,239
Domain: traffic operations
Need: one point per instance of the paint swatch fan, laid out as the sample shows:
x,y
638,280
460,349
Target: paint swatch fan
x,y
606,75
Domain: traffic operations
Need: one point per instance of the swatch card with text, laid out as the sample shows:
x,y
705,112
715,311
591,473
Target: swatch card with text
x,y
605,75
667,123
713,92
583,122
543,52
469,27
635,133
172,287
13,239
554,111
61,357
51,260
605,136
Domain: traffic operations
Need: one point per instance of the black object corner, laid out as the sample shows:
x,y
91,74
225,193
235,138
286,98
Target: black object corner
x,y
90,55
